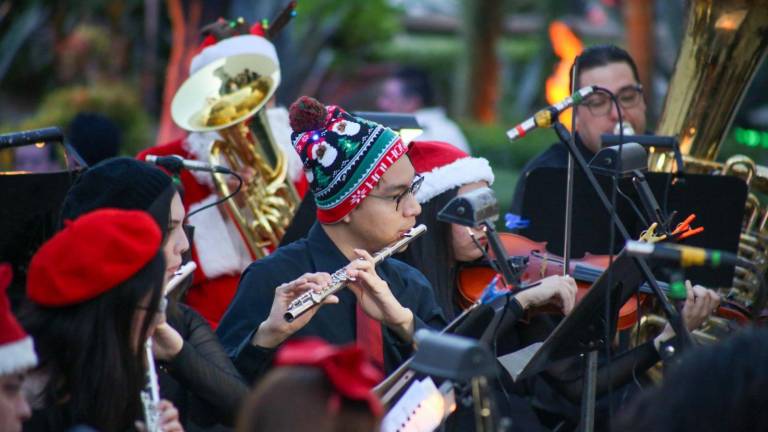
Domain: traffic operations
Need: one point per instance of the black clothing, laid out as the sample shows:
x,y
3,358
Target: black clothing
x,y
201,381
302,221
334,323
555,156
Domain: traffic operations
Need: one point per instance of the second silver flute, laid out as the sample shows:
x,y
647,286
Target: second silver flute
x,y
340,278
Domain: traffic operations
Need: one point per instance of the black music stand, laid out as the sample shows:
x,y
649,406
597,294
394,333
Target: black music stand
x,y
30,203
717,201
585,330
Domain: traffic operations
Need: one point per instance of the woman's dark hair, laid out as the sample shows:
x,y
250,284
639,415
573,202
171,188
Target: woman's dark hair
x,y
713,388
432,254
94,374
602,55
272,405
121,183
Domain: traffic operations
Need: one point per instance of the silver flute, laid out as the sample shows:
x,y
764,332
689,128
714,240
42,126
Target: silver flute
x,y
340,278
179,276
150,396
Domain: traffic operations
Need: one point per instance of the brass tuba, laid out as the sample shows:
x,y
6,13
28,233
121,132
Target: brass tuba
x,y
228,96
725,41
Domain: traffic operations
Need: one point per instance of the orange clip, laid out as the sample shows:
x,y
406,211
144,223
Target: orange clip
x,y
684,225
684,230
690,232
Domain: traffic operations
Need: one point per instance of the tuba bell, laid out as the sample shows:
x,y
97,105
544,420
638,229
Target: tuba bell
x,y
725,42
229,96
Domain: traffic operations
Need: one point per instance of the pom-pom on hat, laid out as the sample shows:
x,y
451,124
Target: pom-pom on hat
x,y
92,255
445,167
344,156
349,372
17,352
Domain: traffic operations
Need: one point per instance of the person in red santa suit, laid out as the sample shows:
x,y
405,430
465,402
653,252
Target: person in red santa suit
x,y
218,247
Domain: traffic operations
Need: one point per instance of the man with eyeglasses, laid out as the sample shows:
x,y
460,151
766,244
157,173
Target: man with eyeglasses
x,y
610,67
363,184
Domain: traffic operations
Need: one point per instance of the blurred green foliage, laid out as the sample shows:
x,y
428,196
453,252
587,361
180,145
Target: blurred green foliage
x,y
731,146
434,51
491,142
358,25
115,100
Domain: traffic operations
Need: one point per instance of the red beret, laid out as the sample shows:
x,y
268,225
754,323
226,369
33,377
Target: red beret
x,y
91,255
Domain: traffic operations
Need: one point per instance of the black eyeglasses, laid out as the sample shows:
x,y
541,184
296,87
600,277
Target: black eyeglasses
x,y
412,189
599,104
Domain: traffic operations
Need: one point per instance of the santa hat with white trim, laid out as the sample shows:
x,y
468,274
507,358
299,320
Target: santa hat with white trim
x,y
17,352
230,38
445,167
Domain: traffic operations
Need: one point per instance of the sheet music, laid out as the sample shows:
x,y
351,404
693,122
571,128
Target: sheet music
x,y
515,362
421,409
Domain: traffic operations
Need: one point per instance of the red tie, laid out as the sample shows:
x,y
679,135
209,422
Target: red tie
x,y
369,336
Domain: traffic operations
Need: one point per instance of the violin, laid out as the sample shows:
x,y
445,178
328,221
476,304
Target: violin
x,y
472,280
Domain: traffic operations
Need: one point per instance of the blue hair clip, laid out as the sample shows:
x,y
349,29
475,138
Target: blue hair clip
x,y
513,221
492,291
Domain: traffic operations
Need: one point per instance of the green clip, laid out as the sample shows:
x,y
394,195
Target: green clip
x,y
677,290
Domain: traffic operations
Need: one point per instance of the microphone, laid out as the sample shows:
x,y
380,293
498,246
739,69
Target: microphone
x,y
686,256
545,117
175,163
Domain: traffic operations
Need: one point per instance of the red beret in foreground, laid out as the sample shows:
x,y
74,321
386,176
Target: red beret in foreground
x,y
91,255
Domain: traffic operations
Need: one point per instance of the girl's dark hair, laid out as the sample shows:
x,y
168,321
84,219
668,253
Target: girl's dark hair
x,y
94,374
272,405
712,388
432,254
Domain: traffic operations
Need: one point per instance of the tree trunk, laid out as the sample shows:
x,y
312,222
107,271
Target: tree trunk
x,y
638,20
479,79
185,39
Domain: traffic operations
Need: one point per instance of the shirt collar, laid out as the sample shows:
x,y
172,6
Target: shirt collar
x,y
326,256
585,152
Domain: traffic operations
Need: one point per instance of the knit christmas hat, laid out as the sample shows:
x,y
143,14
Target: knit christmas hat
x,y
445,167
344,156
92,255
17,352
229,38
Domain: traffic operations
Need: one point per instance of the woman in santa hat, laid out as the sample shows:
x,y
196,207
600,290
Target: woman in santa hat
x,y
95,291
17,356
449,172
